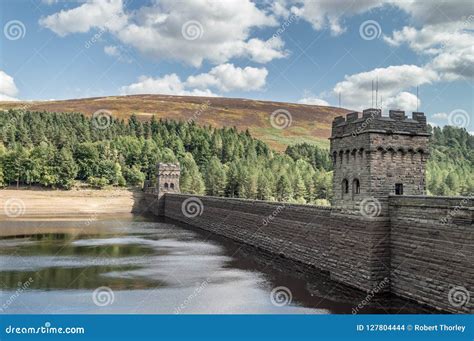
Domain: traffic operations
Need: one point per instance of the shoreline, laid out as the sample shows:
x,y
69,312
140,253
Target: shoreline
x,y
18,204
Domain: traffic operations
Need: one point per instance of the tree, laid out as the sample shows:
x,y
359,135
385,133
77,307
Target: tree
x,y
66,168
215,177
191,180
283,188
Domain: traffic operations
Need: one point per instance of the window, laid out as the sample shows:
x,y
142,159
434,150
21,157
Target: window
x,y
399,189
345,187
166,185
356,186
172,186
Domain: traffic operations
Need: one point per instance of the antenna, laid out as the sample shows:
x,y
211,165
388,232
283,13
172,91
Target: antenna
x,y
381,102
417,99
377,92
372,93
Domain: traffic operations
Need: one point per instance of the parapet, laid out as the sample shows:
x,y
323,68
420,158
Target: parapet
x,y
373,121
167,167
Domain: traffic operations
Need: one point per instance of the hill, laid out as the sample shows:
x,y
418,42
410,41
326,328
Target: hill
x,y
309,123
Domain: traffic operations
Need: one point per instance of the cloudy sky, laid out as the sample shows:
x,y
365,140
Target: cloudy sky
x,y
304,51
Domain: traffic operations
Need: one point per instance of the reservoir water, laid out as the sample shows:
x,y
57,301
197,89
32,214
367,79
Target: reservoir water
x,y
135,264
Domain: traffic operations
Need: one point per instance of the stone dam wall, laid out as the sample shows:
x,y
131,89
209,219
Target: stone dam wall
x,y
432,250
424,246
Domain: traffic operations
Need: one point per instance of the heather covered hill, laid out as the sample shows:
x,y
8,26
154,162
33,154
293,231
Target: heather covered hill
x,y
309,123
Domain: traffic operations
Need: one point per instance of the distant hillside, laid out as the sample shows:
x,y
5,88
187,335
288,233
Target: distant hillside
x,y
310,123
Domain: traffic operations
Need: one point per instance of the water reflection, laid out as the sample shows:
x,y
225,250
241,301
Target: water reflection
x,y
158,267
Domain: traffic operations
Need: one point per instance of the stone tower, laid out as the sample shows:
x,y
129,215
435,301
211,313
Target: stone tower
x,y
167,178
167,181
376,156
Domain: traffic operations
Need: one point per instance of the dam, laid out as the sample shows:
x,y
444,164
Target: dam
x,y
382,232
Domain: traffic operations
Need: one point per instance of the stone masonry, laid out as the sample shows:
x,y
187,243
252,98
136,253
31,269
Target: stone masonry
x,y
373,156
380,228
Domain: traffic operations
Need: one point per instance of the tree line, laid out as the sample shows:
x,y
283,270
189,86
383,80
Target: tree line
x,y
58,149
450,168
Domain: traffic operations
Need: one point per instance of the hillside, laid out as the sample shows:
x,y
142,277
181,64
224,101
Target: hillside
x,y
310,123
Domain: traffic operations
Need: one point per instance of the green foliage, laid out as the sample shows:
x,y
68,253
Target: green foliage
x,y
54,150
97,182
451,165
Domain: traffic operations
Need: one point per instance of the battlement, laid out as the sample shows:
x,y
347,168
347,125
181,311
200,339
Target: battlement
x,y
167,167
373,121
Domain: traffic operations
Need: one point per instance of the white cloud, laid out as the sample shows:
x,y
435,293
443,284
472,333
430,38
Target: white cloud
x,y
8,89
117,52
222,28
451,45
111,50
402,101
227,77
105,14
328,14
166,85
356,90
313,101
440,116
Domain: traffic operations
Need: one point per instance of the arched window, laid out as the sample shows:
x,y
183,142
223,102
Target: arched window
x,y
166,185
356,186
345,187
172,186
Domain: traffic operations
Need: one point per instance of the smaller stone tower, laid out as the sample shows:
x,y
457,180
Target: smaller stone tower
x,y
167,181
376,156
167,178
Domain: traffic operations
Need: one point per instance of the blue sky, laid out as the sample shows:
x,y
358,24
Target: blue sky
x,y
302,51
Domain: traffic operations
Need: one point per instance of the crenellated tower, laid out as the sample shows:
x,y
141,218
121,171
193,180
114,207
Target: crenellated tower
x,y
167,178
376,156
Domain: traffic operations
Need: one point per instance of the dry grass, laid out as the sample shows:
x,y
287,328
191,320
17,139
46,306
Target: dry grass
x,y
310,123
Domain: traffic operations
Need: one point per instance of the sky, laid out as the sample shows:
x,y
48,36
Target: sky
x,y
301,51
